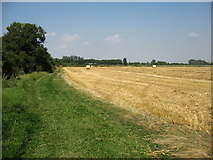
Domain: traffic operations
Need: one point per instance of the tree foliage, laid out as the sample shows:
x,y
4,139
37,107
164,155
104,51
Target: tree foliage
x,y
69,59
23,50
125,61
79,61
103,61
153,62
197,62
161,63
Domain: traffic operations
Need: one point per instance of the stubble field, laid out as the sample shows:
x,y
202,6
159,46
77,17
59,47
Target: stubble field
x,y
177,95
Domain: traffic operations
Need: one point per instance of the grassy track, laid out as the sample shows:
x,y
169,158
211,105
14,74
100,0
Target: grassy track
x,y
45,117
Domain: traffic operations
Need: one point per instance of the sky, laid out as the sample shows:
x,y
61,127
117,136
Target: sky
x,y
138,31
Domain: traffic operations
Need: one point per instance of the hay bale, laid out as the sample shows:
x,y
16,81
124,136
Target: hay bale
x,y
154,66
88,66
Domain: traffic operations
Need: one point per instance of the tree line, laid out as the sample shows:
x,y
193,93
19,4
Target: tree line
x,y
154,62
80,61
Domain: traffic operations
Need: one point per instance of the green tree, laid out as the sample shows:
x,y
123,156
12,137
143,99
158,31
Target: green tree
x,y
197,62
161,63
153,61
23,50
43,60
125,61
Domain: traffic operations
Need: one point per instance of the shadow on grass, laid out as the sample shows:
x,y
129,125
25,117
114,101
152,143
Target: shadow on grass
x,y
19,127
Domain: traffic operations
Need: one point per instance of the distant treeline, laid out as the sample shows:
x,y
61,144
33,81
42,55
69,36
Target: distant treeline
x,y
154,62
198,62
80,61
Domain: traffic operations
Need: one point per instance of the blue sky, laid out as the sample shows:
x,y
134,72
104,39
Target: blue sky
x,y
168,31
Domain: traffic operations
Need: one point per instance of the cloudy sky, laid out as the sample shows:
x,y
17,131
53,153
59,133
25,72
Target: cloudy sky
x,y
168,31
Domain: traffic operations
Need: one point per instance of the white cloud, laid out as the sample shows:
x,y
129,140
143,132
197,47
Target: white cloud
x,y
68,37
51,34
115,38
192,34
87,43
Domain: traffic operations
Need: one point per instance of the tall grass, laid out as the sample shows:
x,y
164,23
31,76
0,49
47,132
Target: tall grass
x,y
43,117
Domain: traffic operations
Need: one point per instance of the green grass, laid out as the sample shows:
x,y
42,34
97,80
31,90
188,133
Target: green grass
x,y
45,117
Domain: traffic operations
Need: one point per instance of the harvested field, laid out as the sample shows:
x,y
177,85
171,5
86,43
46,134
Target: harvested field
x,y
178,95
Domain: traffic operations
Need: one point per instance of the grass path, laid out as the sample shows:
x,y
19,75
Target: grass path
x,y
45,117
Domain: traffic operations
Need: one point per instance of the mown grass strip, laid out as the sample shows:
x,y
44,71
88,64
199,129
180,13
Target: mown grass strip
x,y
44,117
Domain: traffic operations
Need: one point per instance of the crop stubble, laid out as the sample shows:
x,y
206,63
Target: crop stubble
x,y
179,95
